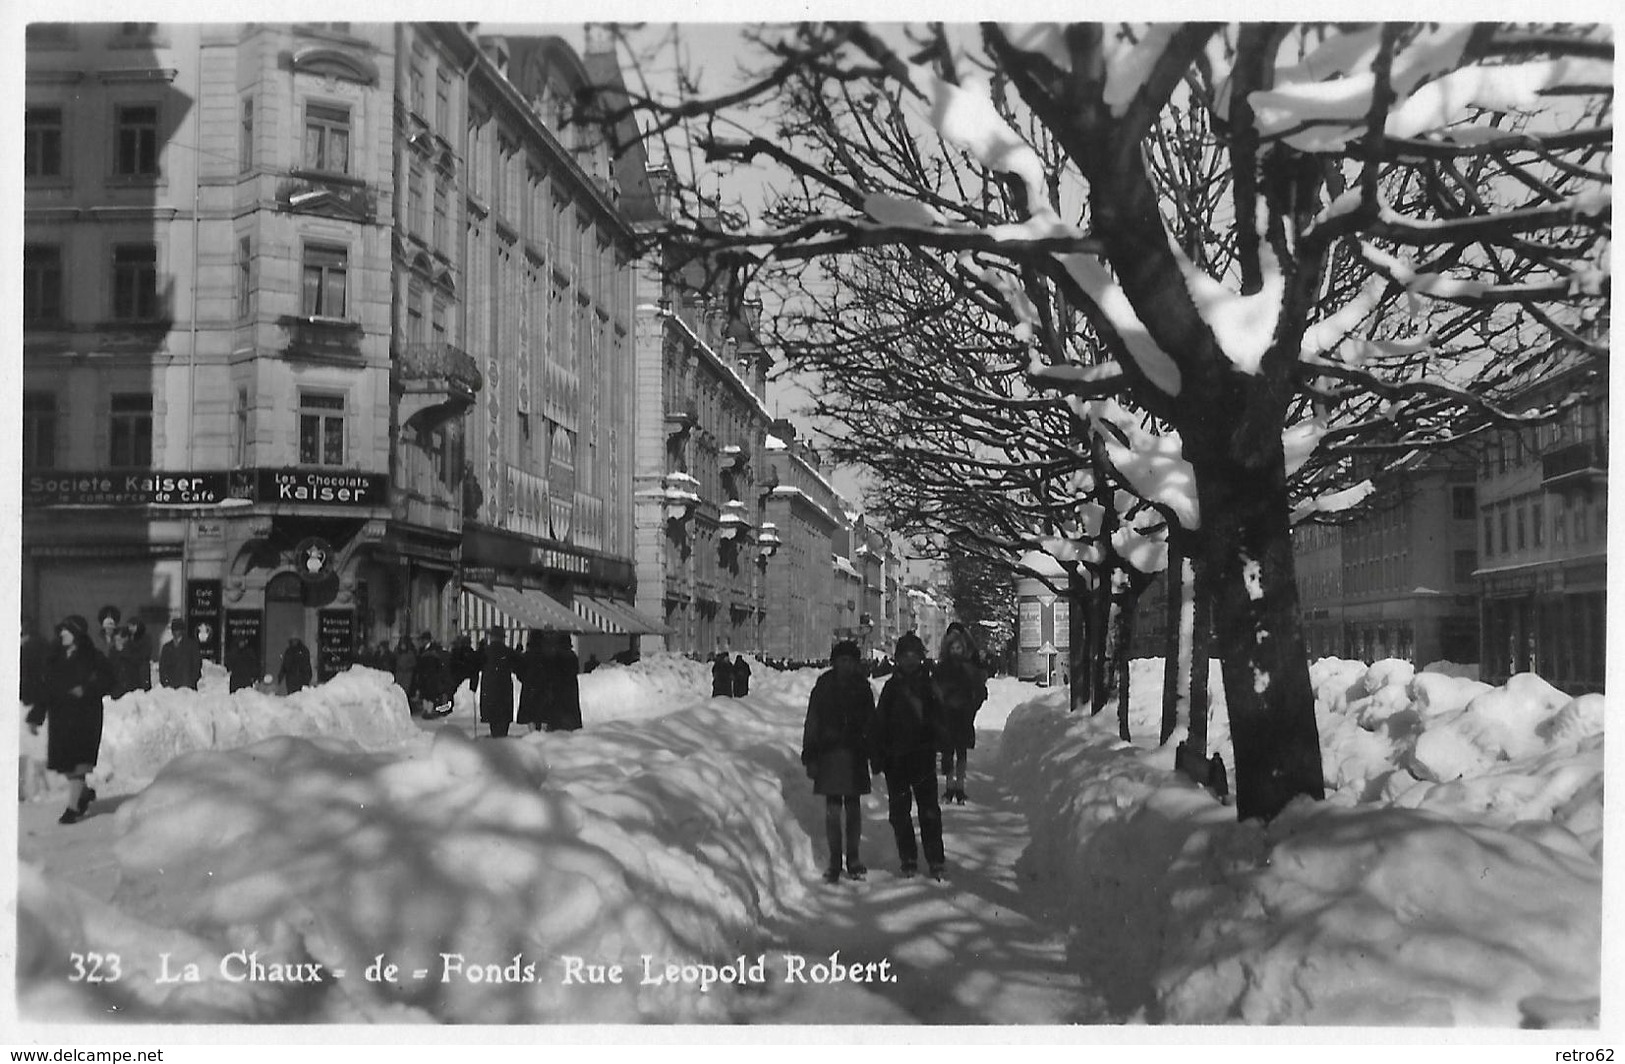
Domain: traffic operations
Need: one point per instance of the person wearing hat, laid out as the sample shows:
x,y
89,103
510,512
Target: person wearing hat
x,y
295,671
76,676
835,750
961,684
180,662
493,681
908,733
433,670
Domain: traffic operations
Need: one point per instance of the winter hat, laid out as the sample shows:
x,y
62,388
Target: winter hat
x,y
907,642
846,648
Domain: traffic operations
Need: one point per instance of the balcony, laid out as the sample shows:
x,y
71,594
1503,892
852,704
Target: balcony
x,y
322,339
1578,467
436,381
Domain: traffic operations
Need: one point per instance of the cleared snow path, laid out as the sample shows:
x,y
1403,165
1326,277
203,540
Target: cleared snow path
x,y
975,949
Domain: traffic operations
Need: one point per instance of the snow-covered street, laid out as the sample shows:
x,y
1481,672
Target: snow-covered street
x,y
367,868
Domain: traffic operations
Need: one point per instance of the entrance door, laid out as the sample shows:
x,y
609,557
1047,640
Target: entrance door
x,y
286,617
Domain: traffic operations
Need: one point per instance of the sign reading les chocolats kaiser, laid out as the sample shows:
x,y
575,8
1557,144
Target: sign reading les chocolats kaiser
x,y
327,487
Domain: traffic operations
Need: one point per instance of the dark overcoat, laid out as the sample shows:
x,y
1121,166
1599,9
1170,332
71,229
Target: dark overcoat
x,y
493,681
908,717
837,740
70,706
961,689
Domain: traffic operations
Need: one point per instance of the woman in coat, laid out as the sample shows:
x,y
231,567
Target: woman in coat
x,y
562,709
76,676
836,745
295,669
961,685
533,680
741,676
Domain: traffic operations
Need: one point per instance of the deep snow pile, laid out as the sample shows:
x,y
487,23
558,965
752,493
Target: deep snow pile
x,y
145,730
1452,876
667,835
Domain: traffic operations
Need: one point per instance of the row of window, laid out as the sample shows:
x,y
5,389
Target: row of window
x,y
1580,423
135,154
320,415
135,141
136,297
1515,527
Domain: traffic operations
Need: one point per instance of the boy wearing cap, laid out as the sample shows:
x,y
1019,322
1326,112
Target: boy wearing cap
x,y
908,732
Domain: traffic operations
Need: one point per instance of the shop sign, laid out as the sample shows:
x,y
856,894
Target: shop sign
x,y
335,641
561,480
246,624
207,530
317,486
203,615
559,561
1063,633
313,558
52,488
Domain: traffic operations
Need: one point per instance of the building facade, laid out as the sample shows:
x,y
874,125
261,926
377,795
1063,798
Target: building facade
x,y
207,334
1543,539
702,549
327,335
802,508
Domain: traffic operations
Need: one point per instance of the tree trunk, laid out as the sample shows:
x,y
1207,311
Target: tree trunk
x,y
1248,547
1176,643
1134,585
1201,637
1100,611
1077,643
1111,648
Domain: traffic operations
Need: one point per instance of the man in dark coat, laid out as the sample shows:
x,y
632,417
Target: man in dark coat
x,y
908,734
432,678
493,682
741,676
836,745
243,663
180,662
75,678
533,678
128,669
294,672
722,675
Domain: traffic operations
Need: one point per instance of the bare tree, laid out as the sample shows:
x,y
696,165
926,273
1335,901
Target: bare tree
x,y
1343,187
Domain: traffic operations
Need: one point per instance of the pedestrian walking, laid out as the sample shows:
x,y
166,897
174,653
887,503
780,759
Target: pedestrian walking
x,y
243,663
533,680
908,734
961,684
741,673
836,744
722,675
561,708
75,678
294,672
493,681
180,662
432,676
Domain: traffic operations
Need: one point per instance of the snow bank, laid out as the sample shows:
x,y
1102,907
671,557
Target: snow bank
x,y
483,864
145,730
1407,897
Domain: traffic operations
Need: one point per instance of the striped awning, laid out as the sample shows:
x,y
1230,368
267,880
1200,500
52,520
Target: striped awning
x,y
483,605
617,618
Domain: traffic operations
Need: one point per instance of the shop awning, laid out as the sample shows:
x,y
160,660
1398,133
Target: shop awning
x,y
617,618
522,608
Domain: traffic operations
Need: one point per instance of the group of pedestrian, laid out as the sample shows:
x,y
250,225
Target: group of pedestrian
x,y
729,679
921,714
547,671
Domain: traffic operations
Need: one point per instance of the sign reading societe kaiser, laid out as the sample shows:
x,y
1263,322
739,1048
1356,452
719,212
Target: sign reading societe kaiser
x,y
149,488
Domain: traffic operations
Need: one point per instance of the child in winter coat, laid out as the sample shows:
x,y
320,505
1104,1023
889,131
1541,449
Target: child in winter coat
x,y
908,734
961,686
835,749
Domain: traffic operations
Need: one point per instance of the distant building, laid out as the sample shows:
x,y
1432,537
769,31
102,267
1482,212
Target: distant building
x,y
802,512
1542,513
1317,551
